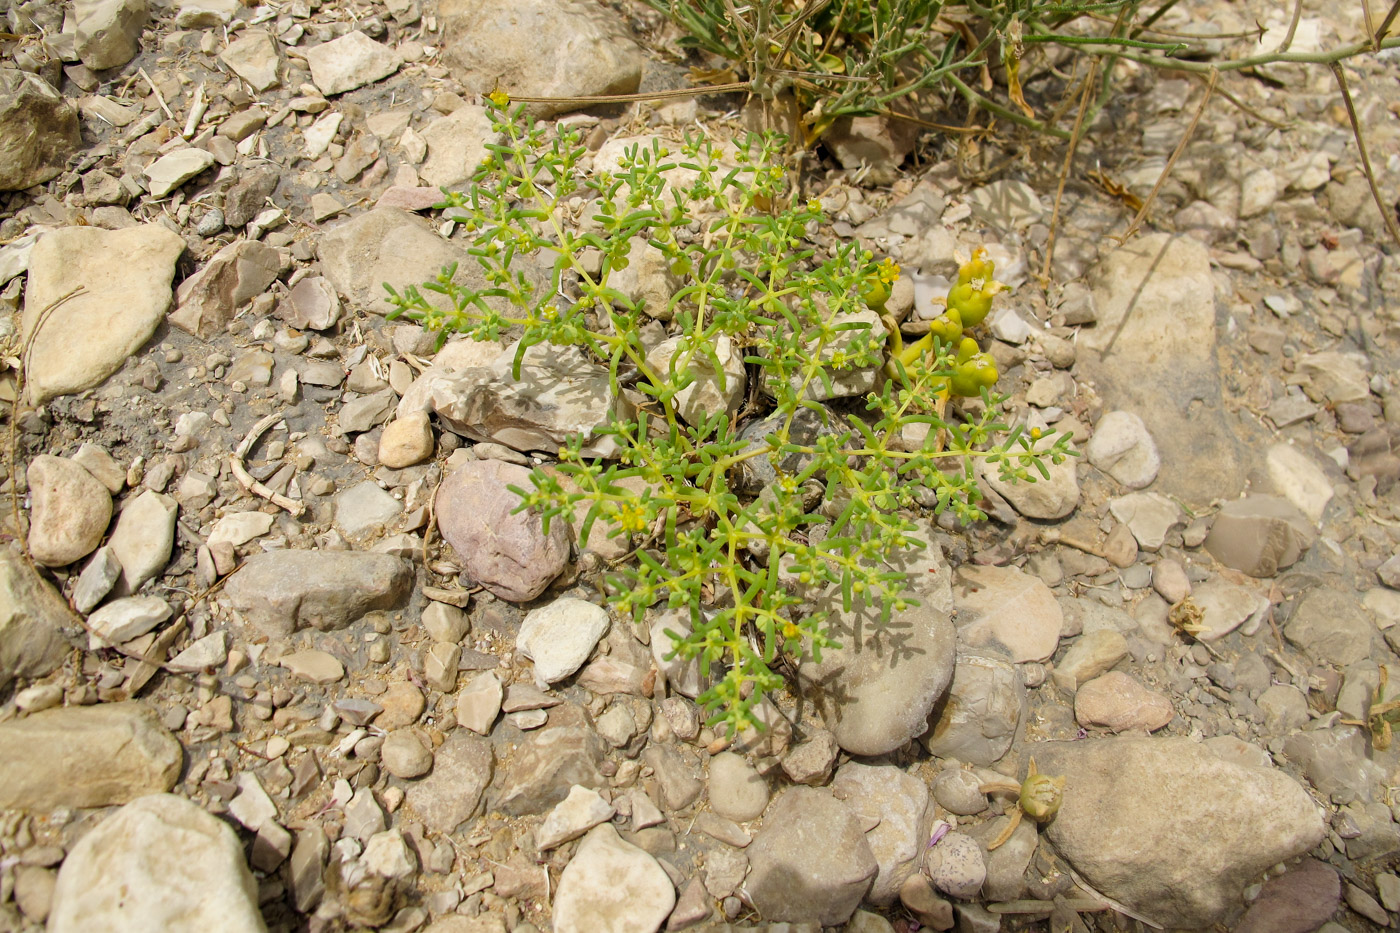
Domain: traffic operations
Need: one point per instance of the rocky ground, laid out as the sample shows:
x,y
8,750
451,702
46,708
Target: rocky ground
x,y
375,699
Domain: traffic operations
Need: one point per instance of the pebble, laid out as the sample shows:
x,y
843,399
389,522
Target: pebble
x,y
159,856
559,637
986,703
479,703
69,513
1259,535
143,538
404,755
124,619
1008,608
955,865
610,884
1119,703
313,665
900,803
1044,499
575,815
279,593
350,61
406,441
736,789
364,507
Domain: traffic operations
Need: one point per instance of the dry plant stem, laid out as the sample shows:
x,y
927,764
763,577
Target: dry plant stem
x,y
629,98
991,106
1386,215
1032,907
235,463
1171,163
1064,172
1385,26
160,98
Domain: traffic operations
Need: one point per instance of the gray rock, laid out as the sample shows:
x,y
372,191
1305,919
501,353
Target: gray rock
x,y
350,61
235,275
1335,762
547,764
108,31
679,782
1259,535
736,789
900,802
559,394
1152,351
1006,607
810,861
811,760
1007,205
1330,627
612,885
280,592
125,276
759,471
456,145
253,57
143,538
1214,826
1007,864
955,865
888,674
86,756
33,617
1123,448
978,719
363,507
158,862
1091,654
38,130
364,412
1336,376
173,169
451,794
540,49
509,554
387,245
69,513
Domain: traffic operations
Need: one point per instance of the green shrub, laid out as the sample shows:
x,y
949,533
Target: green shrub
x,y
750,282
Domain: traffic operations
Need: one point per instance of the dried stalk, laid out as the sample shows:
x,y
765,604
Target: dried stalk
x,y
1171,163
240,472
1386,215
1064,172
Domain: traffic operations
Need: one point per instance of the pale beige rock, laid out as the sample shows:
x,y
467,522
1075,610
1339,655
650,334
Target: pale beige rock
x,y
143,538
38,130
253,57
710,393
33,617
159,863
1121,704
235,275
125,278
456,145
351,61
108,31
1010,608
406,441
70,510
86,756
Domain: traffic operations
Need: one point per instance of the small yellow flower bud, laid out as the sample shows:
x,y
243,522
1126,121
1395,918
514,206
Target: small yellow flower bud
x,y
499,97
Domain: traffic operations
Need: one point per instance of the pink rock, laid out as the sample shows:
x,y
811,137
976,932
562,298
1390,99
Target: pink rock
x,y
1120,703
410,199
507,553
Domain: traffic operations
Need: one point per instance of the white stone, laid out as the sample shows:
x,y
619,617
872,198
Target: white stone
x,y
143,538
611,886
363,506
479,703
124,619
1225,607
1299,479
387,854
317,137
560,637
1123,448
69,511
203,14
575,815
209,652
174,169
158,863
240,528
1009,327
351,61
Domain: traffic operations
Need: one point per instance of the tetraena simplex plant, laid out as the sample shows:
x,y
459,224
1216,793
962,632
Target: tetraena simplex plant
x,y
729,230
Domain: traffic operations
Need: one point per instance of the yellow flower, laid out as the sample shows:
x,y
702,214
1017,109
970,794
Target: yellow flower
x,y
814,205
499,97
888,270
